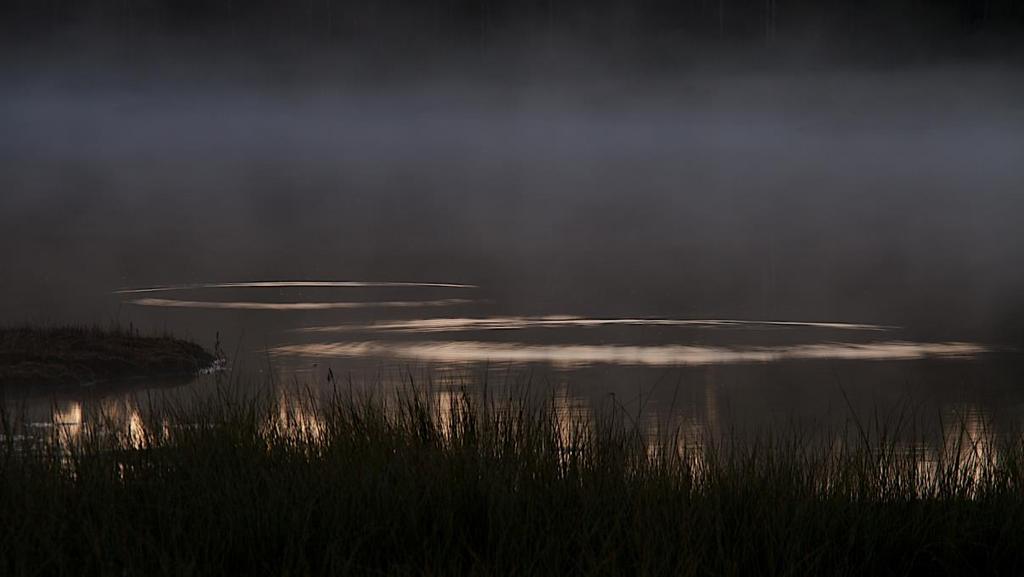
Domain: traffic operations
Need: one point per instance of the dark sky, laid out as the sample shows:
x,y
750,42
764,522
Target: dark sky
x,y
408,34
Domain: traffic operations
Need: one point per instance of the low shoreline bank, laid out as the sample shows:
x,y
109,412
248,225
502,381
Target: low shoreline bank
x,y
80,355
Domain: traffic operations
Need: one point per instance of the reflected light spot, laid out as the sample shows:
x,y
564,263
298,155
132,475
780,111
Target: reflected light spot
x,y
582,355
439,325
67,421
135,429
291,284
303,306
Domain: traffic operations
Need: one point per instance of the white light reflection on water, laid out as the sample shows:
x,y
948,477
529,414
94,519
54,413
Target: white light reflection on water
x,y
687,431
959,458
444,325
573,416
967,453
135,430
574,355
292,284
299,306
449,409
70,420
66,419
298,416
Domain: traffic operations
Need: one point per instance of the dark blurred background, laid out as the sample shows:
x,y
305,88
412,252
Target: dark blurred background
x,y
649,32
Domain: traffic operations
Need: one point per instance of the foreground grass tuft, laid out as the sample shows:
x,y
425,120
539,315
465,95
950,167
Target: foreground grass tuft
x,y
409,485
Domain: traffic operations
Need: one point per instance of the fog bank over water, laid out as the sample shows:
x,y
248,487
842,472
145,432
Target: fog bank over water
x,y
889,198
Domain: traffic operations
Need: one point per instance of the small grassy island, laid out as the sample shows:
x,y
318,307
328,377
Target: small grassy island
x,y
70,355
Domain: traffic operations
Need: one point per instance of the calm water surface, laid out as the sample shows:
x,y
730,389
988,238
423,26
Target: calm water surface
x,y
707,375
714,252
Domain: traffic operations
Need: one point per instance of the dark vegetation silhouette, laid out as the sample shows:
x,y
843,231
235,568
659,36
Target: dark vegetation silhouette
x,y
415,485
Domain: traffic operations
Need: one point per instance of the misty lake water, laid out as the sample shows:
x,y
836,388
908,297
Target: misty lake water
x,y
717,253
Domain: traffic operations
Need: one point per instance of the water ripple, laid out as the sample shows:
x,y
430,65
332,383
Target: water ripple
x,y
291,284
299,306
575,355
444,325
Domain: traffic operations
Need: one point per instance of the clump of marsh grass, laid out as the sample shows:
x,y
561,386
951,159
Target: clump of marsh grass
x,y
448,482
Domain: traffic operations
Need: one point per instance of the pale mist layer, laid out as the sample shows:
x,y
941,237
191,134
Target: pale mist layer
x,y
890,199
